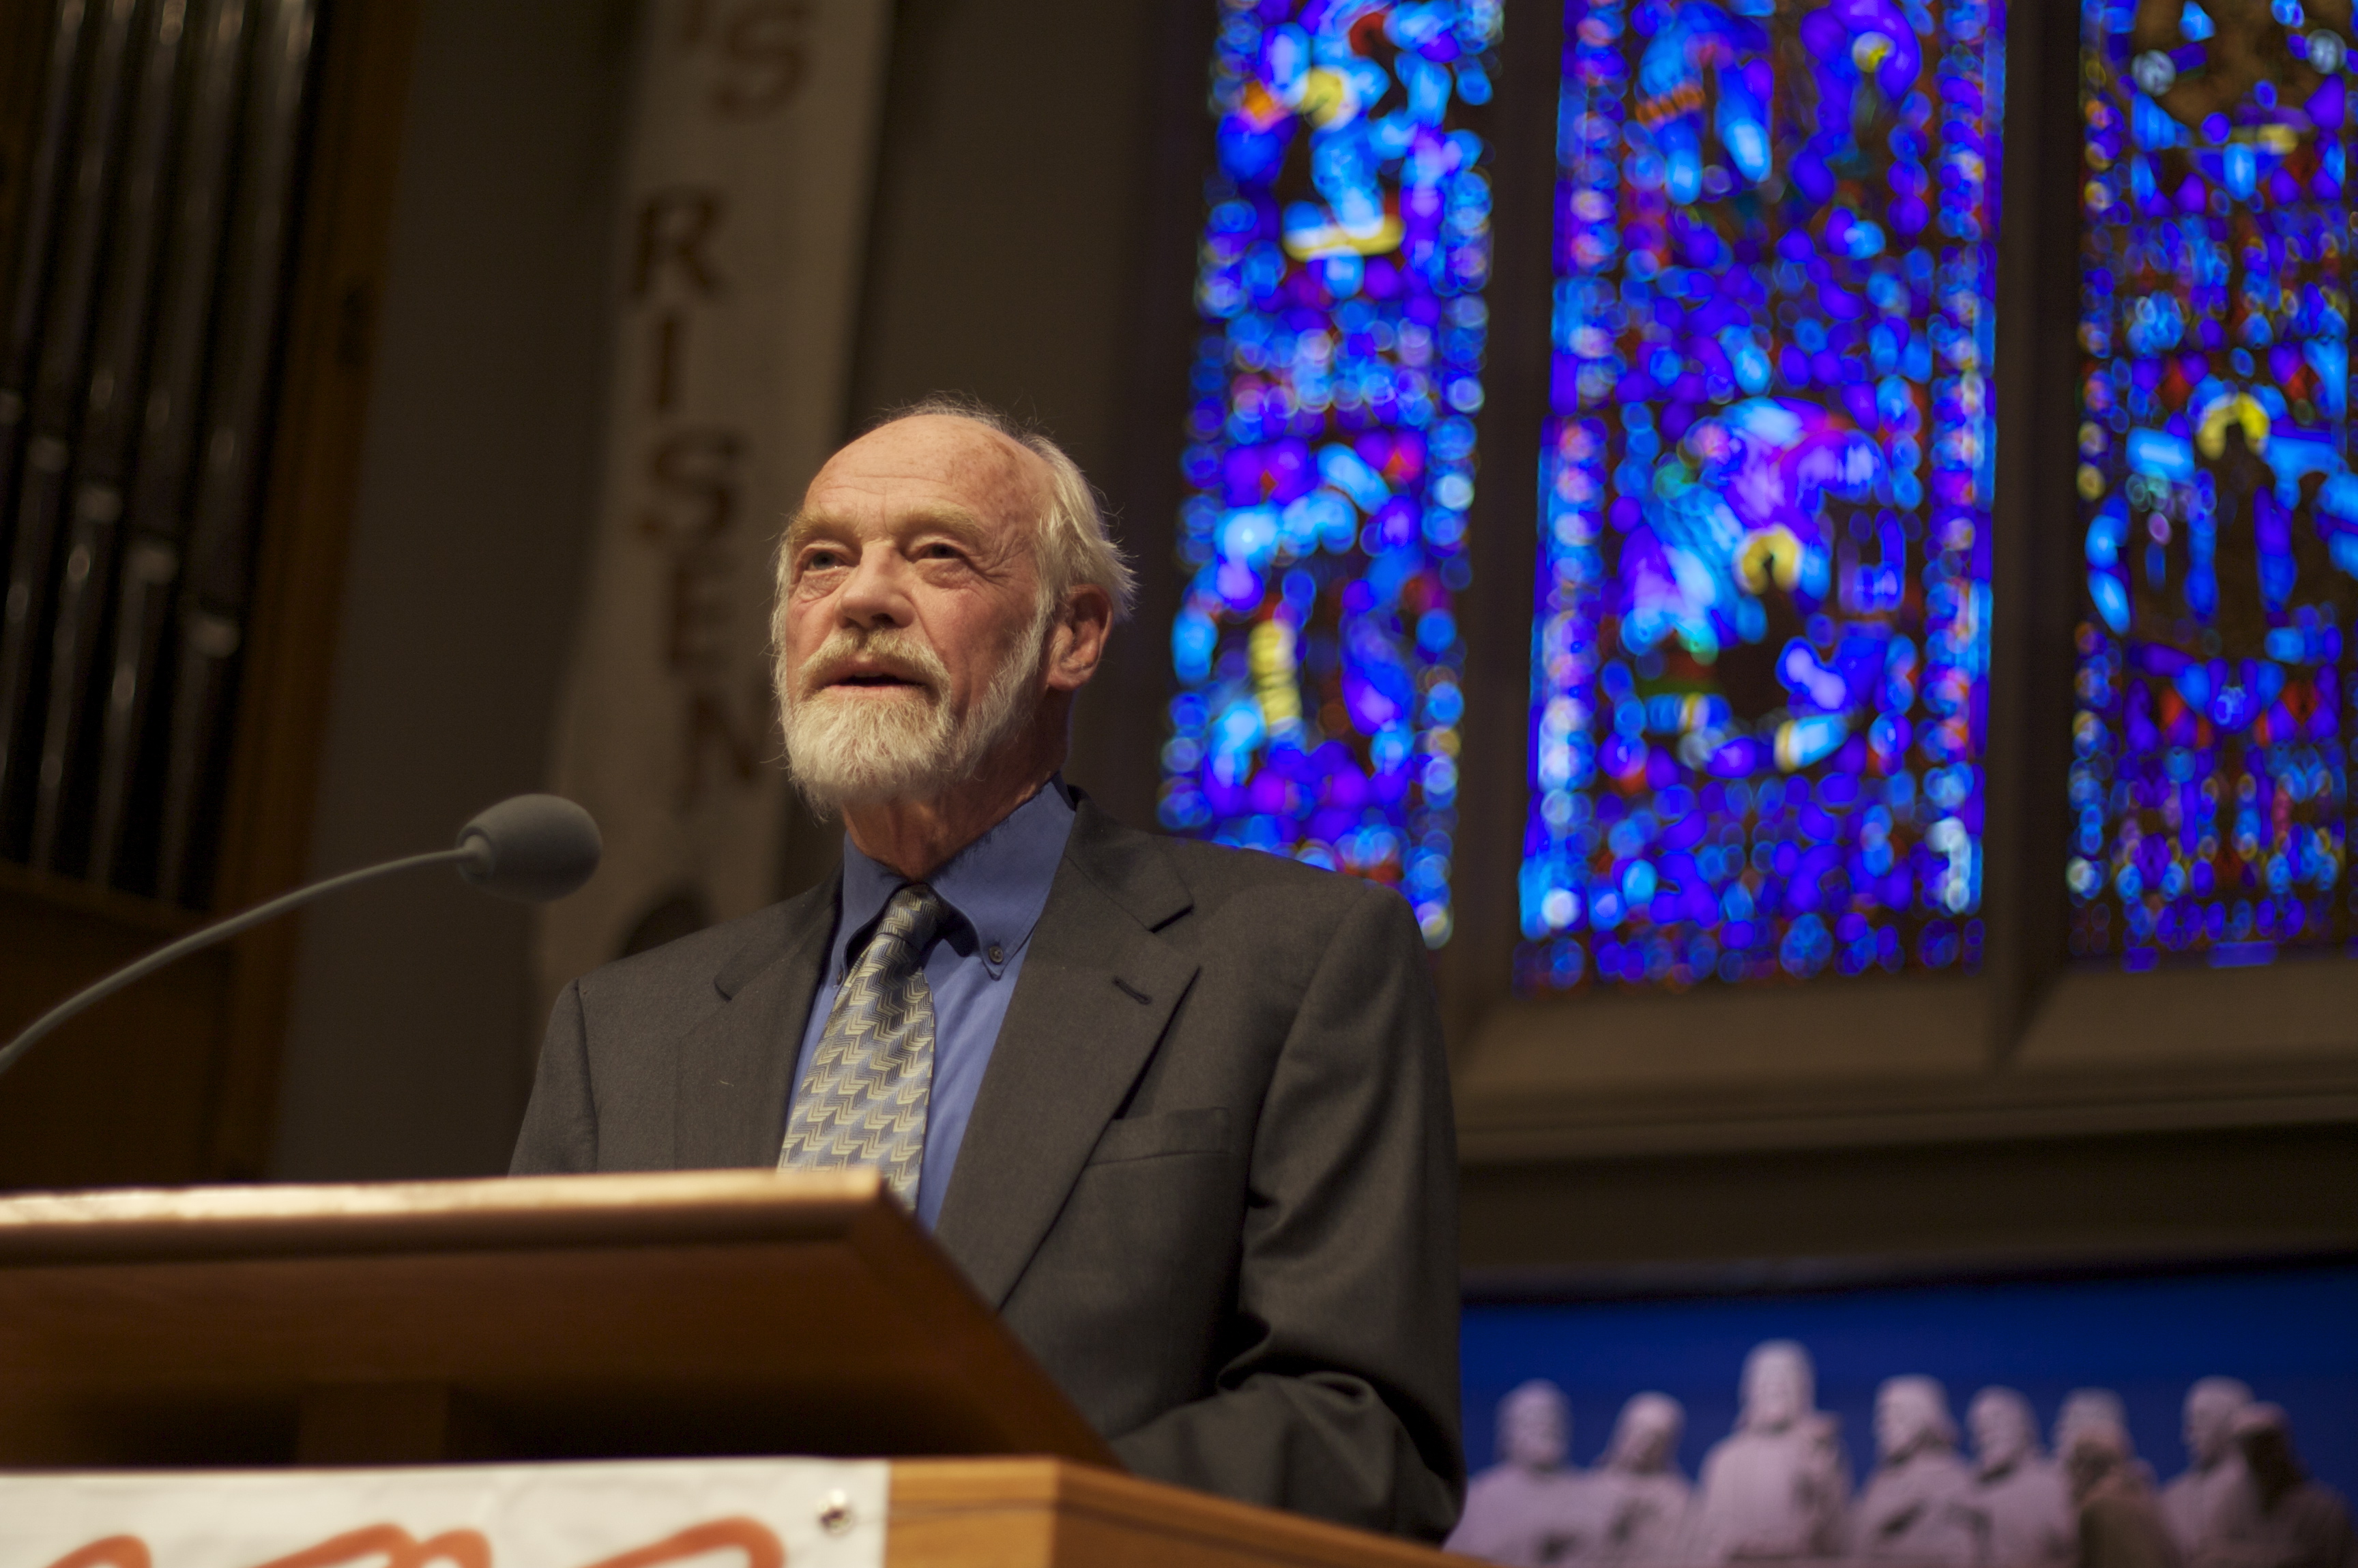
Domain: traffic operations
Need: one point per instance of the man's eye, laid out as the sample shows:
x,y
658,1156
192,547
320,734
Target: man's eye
x,y
821,560
937,552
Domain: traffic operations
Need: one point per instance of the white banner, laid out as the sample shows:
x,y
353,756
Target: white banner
x,y
746,189
730,1513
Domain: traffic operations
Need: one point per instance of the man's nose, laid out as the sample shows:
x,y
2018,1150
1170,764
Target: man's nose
x,y
877,594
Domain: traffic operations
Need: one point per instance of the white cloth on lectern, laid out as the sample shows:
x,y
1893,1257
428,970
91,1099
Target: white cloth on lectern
x,y
812,1513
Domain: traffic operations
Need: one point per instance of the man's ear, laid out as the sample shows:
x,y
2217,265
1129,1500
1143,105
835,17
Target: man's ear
x,y
1076,639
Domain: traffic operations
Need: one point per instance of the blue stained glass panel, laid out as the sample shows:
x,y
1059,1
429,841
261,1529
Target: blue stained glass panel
x,y
1759,657
1331,450
2218,514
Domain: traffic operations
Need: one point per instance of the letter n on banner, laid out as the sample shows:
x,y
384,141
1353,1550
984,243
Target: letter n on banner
x,y
746,182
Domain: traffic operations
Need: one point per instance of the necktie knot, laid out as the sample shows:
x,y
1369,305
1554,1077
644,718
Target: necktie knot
x,y
911,917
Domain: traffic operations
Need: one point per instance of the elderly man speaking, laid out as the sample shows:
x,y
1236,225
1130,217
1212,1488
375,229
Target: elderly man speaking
x,y
1179,1111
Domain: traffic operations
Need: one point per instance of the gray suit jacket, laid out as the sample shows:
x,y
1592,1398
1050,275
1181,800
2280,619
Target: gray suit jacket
x,y
1210,1178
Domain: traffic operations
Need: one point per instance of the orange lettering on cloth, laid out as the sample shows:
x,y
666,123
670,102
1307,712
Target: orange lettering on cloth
x,y
762,1549
390,1546
395,1546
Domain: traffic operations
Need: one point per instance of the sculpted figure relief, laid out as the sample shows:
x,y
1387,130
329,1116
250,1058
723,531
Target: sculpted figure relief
x,y
1776,1489
2120,1524
1918,1504
1529,1508
2092,1407
1778,1485
2293,1522
2200,1505
2021,1504
1641,1493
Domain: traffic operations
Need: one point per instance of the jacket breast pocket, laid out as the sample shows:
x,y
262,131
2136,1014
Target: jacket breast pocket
x,y
1202,1131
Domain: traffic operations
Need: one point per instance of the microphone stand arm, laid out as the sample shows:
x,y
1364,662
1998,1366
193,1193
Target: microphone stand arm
x,y
474,852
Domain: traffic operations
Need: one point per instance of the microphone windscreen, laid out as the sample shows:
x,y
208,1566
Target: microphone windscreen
x,y
534,848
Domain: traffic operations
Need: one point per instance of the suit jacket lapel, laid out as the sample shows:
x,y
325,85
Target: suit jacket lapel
x,y
1097,989
736,1067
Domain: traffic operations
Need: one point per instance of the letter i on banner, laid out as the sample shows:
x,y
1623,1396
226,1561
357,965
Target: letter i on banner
x,y
747,175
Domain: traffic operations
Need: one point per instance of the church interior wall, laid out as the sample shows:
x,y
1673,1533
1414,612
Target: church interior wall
x,y
1031,240
2045,1173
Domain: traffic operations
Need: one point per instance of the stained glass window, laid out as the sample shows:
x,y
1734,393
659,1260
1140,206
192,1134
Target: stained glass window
x,y
1331,455
1759,657
2219,512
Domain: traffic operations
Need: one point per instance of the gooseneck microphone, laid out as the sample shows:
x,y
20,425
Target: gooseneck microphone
x,y
532,848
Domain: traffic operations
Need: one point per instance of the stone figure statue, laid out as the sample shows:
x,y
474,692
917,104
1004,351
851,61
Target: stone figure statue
x,y
1531,1507
1641,1496
2292,1522
2080,1407
1776,1486
2197,1504
1918,1504
2120,1524
2021,1504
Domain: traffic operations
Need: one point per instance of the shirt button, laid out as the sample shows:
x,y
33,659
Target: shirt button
x,y
998,954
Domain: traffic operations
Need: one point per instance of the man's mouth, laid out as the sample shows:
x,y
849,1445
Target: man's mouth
x,y
873,680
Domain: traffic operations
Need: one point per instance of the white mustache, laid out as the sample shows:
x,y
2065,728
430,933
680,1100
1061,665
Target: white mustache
x,y
890,652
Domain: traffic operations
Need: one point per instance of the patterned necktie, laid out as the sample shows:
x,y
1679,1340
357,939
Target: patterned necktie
x,y
863,1102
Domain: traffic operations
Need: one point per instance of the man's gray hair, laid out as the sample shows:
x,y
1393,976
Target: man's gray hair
x,y
1075,546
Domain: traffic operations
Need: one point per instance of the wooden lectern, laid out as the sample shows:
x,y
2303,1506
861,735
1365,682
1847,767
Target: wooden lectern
x,y
698,1314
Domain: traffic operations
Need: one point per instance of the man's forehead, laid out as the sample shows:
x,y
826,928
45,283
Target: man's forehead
x,y
934,458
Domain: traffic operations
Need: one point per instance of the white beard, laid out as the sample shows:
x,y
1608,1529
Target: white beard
x,y
845,747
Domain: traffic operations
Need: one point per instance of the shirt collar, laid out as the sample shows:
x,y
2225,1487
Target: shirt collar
x,y
995,887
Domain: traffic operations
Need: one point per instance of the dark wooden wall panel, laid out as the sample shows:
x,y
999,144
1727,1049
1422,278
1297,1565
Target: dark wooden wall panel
x,y
314,474
122,1094
2180,1196
175,1079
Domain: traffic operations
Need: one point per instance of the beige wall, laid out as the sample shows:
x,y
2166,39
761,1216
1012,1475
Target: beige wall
x,y
405,1046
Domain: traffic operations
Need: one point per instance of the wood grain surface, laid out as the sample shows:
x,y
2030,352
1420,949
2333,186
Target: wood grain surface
x,y
1040,1513
568,1318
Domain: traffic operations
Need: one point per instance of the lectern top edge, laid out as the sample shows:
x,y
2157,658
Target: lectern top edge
x,y
615,1315
664,1208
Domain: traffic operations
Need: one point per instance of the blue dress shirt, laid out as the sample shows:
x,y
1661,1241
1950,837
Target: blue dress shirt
x,y
994,889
